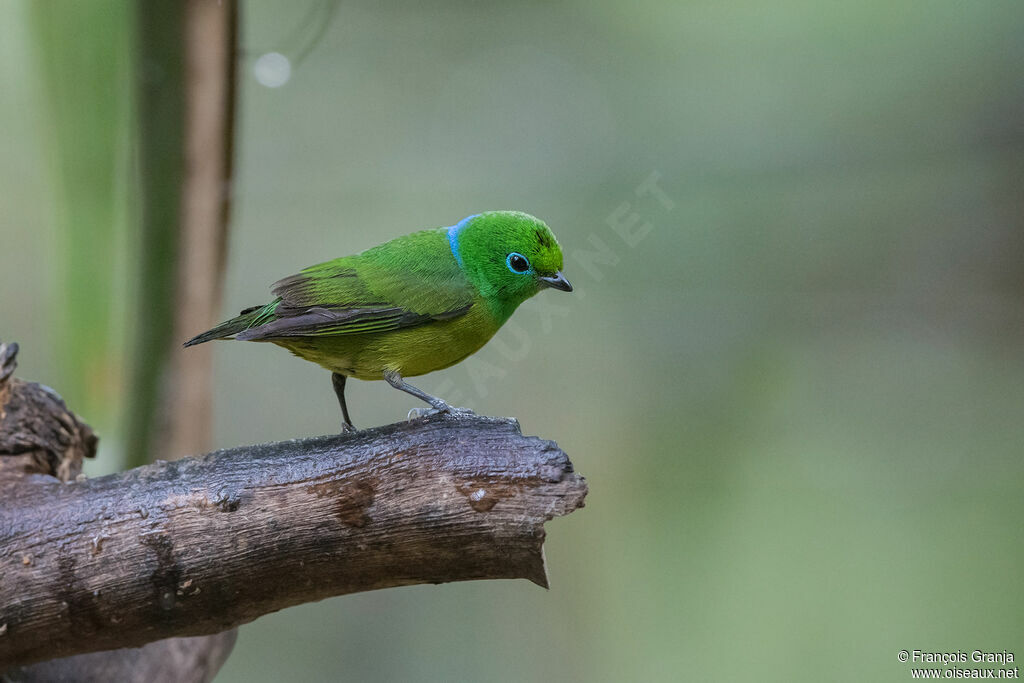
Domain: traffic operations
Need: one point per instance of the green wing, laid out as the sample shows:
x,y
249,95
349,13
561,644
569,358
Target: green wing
x,y
409,281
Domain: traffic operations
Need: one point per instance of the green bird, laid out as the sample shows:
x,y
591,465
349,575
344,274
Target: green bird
x,y
413,305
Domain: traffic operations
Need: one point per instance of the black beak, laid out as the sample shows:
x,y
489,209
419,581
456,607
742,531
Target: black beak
x,y
556,281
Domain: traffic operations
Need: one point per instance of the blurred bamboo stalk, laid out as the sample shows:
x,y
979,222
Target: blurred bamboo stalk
x,y
159,102
186,90
82,49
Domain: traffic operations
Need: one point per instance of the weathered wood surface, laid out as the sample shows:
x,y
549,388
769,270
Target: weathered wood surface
x,y
203,544
38,434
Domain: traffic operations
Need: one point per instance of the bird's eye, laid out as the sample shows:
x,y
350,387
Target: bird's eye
x,y
517,263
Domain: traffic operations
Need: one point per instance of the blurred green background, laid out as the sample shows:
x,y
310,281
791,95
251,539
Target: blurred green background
x,y
798,396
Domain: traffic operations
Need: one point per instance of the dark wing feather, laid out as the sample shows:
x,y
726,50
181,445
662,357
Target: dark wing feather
x,y
319,321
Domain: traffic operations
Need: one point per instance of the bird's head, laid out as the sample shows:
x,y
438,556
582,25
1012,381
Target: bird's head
x,y
508,255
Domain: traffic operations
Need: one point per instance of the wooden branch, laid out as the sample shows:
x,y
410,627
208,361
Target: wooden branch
x,y
206,543
40,436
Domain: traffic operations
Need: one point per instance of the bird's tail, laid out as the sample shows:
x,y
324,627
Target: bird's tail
x,y
250,317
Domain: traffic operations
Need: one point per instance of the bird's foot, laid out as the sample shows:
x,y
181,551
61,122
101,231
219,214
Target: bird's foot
x,y
439,408
348,428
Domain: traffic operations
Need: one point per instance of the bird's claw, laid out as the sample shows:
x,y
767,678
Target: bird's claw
x,y
460,412
436,410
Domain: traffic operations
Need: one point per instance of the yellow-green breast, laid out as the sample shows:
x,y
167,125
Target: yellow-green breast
x,y
410,352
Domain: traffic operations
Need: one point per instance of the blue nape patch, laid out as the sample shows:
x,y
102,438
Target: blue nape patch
x,y
453,237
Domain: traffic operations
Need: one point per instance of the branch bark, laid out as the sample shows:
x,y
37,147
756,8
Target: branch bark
x,y
203,544
40,436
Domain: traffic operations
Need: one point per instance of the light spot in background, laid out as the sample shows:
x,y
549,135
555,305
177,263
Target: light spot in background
x,y
272,70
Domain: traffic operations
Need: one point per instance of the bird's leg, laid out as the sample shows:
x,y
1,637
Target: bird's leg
x,y
395,380
338,380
